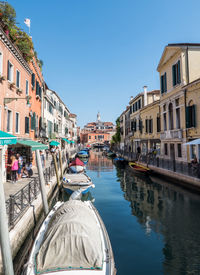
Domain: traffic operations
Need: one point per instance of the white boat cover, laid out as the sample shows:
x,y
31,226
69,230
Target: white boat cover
x,y
72,240
76,178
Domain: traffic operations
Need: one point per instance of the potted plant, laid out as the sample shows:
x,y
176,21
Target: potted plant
x,y
2,78
19,91
12,85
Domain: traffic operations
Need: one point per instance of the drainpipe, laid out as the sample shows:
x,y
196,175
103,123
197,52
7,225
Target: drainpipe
x,y
187,67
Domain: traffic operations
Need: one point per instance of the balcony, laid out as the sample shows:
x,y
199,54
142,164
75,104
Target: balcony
x,y
172,134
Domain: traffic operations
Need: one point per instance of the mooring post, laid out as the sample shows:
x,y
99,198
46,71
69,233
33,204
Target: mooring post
x,y
56,169
4,236
61,167
42,182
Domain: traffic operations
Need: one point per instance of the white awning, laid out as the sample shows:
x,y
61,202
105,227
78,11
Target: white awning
x,y
193,142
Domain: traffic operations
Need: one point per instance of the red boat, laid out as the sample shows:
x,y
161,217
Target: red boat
x,y
77,166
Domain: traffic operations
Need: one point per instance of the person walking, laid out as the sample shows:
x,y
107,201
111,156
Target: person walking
x,y
42,159
20,165
14,168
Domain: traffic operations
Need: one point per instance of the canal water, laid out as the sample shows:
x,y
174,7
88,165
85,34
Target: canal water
x,y
154,225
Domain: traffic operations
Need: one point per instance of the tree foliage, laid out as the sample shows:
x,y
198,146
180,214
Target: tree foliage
x,y
116,138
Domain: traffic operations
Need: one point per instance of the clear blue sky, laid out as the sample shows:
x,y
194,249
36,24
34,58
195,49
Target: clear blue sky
x,y
98,53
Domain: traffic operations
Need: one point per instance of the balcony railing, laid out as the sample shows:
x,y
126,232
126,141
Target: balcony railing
x,y
171,134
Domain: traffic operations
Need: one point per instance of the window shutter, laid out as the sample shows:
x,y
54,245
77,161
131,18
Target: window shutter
x,y
165,82
34,121
27,125
174,74
146,125
161,84
8,70
179,72
158,124
187,116
193,115
33,80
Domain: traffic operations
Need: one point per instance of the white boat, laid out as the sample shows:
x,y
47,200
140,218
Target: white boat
x,y
72,240
73,182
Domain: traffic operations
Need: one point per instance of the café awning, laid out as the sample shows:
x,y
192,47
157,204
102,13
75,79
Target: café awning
x,y
33,144
65,139
6,138
193,142
54,143
72,141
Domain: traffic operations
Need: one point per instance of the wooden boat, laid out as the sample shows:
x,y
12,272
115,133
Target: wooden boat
x,y
72,240
73,182
83,154
77,166
139,167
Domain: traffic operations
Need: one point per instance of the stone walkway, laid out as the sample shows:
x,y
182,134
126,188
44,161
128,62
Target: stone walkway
x,y
12,188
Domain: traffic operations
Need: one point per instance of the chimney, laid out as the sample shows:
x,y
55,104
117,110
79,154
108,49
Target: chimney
x,y
145,95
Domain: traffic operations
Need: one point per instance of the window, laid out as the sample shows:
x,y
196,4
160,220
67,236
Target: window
x,y
171,119
33,121
140,126
151,126
33,81
179,150
10,72
17,79
163,83
26,125
178,118
191,116
95,137
1,63
9,114
27,88
17,123
166,149
176,73
158,124
139,104
37,88
131,109
165,121
193,151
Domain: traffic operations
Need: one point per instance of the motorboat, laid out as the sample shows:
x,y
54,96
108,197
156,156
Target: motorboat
x,y
77,166
83,154
72,240
73,182
137,167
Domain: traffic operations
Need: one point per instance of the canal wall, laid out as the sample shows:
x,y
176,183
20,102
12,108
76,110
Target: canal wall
x,y
28,221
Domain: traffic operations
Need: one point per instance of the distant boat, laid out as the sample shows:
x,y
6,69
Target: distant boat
x,y
139,167
83,154
74,182
119,159
111,154
72,240
76,166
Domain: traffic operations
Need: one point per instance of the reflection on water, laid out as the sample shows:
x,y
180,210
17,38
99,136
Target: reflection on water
x,y
97,162
170,211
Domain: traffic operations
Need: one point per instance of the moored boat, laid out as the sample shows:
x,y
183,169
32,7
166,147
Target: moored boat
x,y
76,166
73,182
139,168
72,240
83,154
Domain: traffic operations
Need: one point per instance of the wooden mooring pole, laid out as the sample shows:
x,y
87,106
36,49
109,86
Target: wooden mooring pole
x,y
56,169
42,183
4,236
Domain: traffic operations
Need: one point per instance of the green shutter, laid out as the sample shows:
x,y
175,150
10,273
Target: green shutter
x,y
165,82
8,70
187,114
193,115
179,72
174,74
34,120
33,80
161,84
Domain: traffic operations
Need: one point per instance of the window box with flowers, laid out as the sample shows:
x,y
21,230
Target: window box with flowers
x,y
2,78
12,85
19,91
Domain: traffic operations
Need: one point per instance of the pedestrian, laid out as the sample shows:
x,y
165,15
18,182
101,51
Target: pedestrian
x,y
28,168
42,159
20,165
14,169
138,153
47,154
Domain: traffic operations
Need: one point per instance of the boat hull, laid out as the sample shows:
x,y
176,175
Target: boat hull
x,y
76,168
108,266
70,190
139,168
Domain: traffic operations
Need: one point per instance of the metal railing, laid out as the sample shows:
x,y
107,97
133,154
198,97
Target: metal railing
x,y
20,201
189,169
